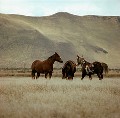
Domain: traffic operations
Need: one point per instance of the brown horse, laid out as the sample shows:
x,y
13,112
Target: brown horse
x,y
105,68
68,70
45,67
90,68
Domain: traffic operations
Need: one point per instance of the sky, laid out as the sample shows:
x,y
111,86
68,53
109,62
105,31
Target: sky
x,y
49,7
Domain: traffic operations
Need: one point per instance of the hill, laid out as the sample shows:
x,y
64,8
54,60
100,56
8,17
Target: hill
x,y
24,39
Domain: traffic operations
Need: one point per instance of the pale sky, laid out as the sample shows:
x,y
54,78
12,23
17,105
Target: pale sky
x,y
49,7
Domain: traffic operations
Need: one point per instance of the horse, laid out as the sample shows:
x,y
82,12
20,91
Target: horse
x,y
105,67
90,68
68,70
45,67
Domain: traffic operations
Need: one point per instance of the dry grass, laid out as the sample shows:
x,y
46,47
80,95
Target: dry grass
x,y
22,97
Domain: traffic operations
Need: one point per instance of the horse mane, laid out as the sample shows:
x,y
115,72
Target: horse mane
x,y
70,61
51,57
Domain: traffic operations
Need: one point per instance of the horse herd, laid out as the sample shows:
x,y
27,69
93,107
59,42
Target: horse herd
x,y
69,68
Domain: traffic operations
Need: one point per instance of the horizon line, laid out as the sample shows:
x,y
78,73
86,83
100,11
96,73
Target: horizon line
x,y
59,13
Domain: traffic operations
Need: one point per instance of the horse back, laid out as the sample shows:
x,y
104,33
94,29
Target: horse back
x,y
98,66
34,64
69,65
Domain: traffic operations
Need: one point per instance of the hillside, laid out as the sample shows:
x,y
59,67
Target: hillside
x,y
24,39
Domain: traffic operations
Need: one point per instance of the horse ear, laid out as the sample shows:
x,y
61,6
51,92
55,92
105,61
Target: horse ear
x,y
56,53
77,56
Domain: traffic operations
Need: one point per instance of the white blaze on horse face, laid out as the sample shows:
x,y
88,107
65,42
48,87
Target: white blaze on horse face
x,y
83,61
80,60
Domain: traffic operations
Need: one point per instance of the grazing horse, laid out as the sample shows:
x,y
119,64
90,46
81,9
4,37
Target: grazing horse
x,y
90,68
105,67
68,70
45,67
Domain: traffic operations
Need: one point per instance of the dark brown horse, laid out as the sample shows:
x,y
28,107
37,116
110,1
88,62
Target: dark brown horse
x,y
45,67
68,70
105,68
90,68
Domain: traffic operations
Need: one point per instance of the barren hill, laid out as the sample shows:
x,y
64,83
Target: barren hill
x,y
24,39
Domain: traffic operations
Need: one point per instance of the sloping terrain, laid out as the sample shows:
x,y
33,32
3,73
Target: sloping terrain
x,y
24,39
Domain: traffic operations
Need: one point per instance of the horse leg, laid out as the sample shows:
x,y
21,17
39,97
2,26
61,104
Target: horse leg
x,y
50,74
83,75
70,76
63,74
99,76
38,74
33,74
90,77
46,75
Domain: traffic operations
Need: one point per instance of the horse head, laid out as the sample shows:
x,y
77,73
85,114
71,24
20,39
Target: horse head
x,y
80,60
57,58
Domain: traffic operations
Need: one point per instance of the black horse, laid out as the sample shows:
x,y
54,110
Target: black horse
x,y
68,70
90,68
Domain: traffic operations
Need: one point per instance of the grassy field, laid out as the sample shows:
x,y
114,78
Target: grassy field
x,y
22,97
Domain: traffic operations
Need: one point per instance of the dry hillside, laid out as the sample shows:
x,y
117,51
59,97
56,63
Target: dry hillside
x,y
24,39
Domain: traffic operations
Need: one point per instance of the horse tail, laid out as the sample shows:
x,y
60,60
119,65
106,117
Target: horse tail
x,y
33,74
105,67
106,70
33,68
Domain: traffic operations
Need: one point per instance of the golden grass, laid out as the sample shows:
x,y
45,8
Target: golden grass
x,y
22,97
